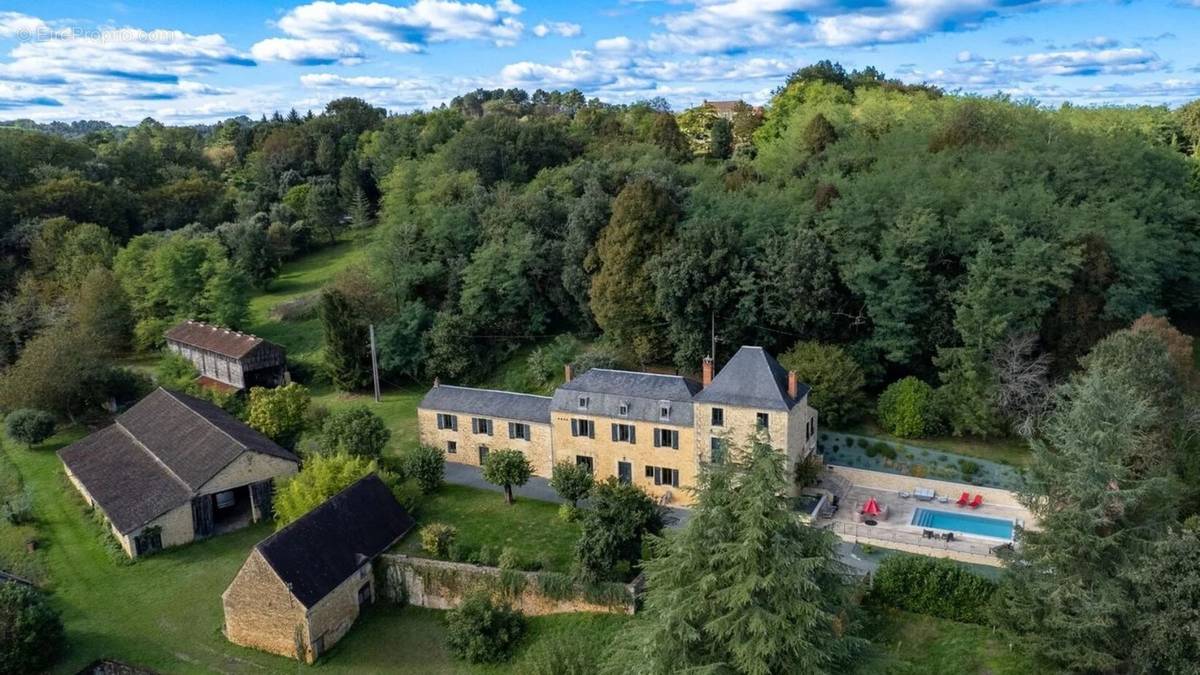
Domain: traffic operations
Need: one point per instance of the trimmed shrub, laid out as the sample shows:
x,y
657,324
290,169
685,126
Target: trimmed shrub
x,y
885,449
17,509
862,442
426,465
355,431
28,426
933,586
31,632
968,467
568,513
908,408
482,631
438,539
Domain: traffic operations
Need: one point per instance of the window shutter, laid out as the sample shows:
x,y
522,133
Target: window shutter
x,y
632,434
574,427
614,432
454,422
657,476
675,440
591,429
649,471
658,438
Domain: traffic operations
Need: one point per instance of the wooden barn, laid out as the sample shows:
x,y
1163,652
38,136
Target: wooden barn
x,y
228,358
173,469
301,589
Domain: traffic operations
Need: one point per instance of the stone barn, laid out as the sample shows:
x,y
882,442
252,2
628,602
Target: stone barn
x,y
173,469
228,359
302,588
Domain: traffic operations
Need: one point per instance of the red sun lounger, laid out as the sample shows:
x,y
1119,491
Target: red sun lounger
x,y
978,501
966,497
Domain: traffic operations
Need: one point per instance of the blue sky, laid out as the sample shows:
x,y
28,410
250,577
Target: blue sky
x,y
197,61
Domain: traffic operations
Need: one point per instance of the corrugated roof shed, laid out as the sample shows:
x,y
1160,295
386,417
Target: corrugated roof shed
x,y
216,339
752,379
325,546
489,402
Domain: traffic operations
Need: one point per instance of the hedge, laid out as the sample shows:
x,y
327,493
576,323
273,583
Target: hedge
x,y
933,586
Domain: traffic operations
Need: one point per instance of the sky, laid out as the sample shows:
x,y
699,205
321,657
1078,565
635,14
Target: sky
x,y
203,61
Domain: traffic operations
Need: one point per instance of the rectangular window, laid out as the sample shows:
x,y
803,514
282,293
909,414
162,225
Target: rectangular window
x,y
664,411
624,408
666,438
584,460
518,430
583,402
483,453
451,447
717,450
445,421
481,425
663,475
583,428
764,420
624,433
718,417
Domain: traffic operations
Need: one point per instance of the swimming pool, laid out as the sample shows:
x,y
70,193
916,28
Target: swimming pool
x,y
964,523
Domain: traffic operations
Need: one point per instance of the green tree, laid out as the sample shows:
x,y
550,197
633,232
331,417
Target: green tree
x,y
482,631
58,371
720,142
1167,592
506,468
836,379
619,516
622,295
345,341
426,465
744,587
571,481
665,133
908,408
355,430
322,210
31,631
322,477
101,309
279,413
29,426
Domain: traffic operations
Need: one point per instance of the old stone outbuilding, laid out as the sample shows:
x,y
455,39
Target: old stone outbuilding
x,y
303,587
173,469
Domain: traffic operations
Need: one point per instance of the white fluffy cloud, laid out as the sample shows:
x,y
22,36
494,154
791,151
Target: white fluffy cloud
x,y
1014,74
319,31
560,28
735,25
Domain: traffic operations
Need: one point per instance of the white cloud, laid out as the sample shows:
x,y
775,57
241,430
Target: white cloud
x,y
1014,74
22,26
616,44
317,51
1098,42
1085,62
404,29
560,28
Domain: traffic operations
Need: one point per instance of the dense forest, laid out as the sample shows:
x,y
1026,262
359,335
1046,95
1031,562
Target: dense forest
x,y
921,232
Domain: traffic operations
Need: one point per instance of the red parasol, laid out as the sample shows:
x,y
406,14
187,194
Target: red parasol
x,y
871,508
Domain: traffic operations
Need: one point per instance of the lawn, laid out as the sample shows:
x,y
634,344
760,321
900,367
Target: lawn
x,y
483,519
1011,451
914,644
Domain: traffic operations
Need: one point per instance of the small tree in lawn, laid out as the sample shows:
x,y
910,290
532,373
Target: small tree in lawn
x,y
279,413
481,631
322,477
571,481
610,542
355,431
908,408
29,426
426,465
31,632
507,468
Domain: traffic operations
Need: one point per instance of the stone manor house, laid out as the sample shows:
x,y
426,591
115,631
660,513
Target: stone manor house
x,y
645,428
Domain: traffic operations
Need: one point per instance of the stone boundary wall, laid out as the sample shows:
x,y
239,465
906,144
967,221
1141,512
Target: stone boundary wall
x,y
880,480
438,584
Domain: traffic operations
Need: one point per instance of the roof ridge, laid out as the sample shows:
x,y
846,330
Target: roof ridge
x,y
170,472
635,372
494,391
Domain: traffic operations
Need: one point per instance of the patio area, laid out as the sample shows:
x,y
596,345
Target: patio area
x,y
894,529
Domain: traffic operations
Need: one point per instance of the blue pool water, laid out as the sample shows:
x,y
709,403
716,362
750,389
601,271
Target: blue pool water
x,y
965,523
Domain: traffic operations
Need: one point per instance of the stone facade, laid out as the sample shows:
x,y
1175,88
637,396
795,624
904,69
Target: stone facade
x,y
463,444
437,584
261,613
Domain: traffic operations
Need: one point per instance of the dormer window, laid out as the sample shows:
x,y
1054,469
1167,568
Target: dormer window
x,y
583,402
624,408
664,411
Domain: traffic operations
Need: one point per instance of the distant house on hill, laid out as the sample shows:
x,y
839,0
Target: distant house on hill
x,y
302,588
228,359
173,469
729,109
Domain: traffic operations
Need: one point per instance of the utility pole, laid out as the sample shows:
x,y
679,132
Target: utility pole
x,y
374,362
712,352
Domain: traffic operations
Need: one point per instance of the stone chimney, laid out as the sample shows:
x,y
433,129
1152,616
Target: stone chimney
x,y
793,385
568,372
706,371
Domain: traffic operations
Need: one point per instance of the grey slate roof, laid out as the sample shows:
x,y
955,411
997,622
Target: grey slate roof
x,y
752,379
489,402
607,389
158,454
325,546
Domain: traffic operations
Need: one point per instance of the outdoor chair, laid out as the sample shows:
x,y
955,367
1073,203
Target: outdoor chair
x,y
904,495
977,502
964,499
